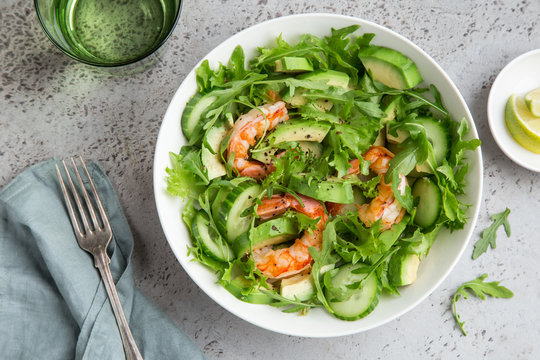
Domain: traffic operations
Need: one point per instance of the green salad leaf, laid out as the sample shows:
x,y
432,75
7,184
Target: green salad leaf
x,y
489,235
187,176
480,289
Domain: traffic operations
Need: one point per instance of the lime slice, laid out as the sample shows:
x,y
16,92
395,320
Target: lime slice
x,y
524,127
532,99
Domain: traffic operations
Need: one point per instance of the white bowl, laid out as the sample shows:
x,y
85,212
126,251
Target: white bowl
x,y
318,323
520,76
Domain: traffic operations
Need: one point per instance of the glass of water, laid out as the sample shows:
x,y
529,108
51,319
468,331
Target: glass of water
x,y
108,32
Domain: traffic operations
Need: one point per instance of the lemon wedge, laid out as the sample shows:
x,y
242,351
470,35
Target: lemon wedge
x,y
523,126
532,99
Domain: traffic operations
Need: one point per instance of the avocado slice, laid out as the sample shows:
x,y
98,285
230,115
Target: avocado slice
x,y
390,67
298,287
329,77
298,130
265,155
293,64
271,232
332,189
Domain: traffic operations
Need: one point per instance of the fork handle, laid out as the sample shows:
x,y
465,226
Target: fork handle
x,y
130,347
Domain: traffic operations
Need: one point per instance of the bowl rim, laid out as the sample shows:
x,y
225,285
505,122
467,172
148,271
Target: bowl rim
x,y
497,136
158,175
109,65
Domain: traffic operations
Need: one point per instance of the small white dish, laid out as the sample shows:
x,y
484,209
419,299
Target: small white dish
x,y
520,76
445,252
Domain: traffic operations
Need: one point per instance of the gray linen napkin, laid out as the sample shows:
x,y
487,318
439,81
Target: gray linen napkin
x,y
53,304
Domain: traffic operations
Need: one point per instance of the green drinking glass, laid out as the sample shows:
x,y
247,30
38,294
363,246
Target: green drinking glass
x,y
108,32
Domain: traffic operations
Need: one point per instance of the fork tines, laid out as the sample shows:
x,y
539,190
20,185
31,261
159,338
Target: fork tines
x,y
99,223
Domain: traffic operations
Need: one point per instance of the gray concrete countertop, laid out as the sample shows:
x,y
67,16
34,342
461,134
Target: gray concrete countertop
x,y
51,105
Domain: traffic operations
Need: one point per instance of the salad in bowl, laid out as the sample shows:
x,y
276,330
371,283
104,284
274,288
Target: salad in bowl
x,y
320,174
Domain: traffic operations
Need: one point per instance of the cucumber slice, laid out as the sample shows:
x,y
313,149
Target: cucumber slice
x,y
211,243
363,301
271,232
390,67
329,77
235,202
210,157
429,202
333,189
193,112
402,268
437,135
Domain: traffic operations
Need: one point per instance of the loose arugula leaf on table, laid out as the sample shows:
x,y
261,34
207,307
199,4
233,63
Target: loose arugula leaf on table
x,y
489,235
480,289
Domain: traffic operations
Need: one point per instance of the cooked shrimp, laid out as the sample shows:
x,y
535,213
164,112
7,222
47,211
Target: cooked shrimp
x,y
379,157
245,132
384,206
294,259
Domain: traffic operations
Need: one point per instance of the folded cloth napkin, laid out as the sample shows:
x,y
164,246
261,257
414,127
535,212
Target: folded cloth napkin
x,y
53,304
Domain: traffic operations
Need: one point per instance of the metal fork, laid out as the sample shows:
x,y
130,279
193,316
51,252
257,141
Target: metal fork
x,y
95,238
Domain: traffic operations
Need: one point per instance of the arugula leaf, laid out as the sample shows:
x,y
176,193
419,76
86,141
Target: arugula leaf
x,y
310,111
446,170
401,165
337,49
459,146
478,288
292,161
294,305
420,243
236,69
322,258
404,161
489,235
308,46
223,97
368,188
355,241
303,221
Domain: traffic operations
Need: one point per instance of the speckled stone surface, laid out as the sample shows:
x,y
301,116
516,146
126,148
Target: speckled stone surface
x,y
51,105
